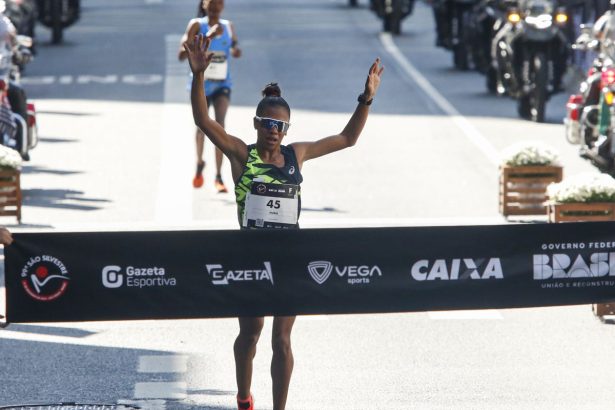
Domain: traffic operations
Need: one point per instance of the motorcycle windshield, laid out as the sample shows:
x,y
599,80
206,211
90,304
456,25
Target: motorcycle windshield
x,y
538,13
536,8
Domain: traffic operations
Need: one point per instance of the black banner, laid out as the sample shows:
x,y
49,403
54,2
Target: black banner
x,y
54,277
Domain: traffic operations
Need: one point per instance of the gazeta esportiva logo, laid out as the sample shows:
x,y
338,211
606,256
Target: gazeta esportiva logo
x,y
44,278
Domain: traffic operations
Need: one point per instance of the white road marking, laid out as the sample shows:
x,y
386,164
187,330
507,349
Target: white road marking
x,y
473,135
163,364
35,337
161,390
87,79
466,315
174,201
154,1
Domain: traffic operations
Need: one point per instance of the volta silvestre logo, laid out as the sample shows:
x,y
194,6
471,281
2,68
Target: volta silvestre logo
x,y
44,278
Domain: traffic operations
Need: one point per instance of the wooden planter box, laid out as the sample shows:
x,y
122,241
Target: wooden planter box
x,y
581,212
10,193
585,212
523,189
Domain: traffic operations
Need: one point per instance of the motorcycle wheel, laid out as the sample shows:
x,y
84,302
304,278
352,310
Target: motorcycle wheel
x,y
56,22
392,24
491,80
539,93
460,57
524,108
461,52
20,134
19,106
18,100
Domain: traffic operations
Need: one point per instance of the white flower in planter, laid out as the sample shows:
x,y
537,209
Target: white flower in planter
x,y
586,187
9,158
529,154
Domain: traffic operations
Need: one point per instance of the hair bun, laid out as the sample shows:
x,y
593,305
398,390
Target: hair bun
x,y
272,90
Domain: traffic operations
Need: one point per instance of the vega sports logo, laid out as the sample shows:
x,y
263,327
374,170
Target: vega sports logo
x,y
354,274
44,278
320,271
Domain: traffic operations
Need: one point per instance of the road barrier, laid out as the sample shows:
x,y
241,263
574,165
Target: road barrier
x,y
62,277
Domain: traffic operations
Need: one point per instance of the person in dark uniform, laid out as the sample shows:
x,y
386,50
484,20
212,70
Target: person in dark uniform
x,y
260,170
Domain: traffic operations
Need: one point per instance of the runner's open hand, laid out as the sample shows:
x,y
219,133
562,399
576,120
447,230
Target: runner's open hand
x,y
373,79
198,56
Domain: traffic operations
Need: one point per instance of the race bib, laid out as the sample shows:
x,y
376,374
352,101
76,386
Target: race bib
x,y
271,206
218,67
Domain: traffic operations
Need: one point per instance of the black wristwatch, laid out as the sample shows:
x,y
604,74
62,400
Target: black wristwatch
x,y
363,101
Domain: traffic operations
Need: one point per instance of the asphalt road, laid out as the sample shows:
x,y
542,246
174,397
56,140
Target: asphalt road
x,y
117,152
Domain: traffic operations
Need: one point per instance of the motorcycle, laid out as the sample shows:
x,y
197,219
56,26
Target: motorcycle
x,y
58,15
486,19
18,129
529,55
23,15
456,15
590,114
392,12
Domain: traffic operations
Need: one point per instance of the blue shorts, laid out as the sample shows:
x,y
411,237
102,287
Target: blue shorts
x,y
214,88
217,93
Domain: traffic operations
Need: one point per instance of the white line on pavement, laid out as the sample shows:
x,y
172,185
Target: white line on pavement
x,y
35,337
466,315
174,201
139,80
161,390
163,364
473,135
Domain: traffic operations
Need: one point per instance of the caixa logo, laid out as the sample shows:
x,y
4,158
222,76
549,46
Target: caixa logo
x,y
221,276
455,269
44,278
356,274
561,265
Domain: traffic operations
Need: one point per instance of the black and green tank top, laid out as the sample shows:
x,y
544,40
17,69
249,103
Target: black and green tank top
x,y
256,169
